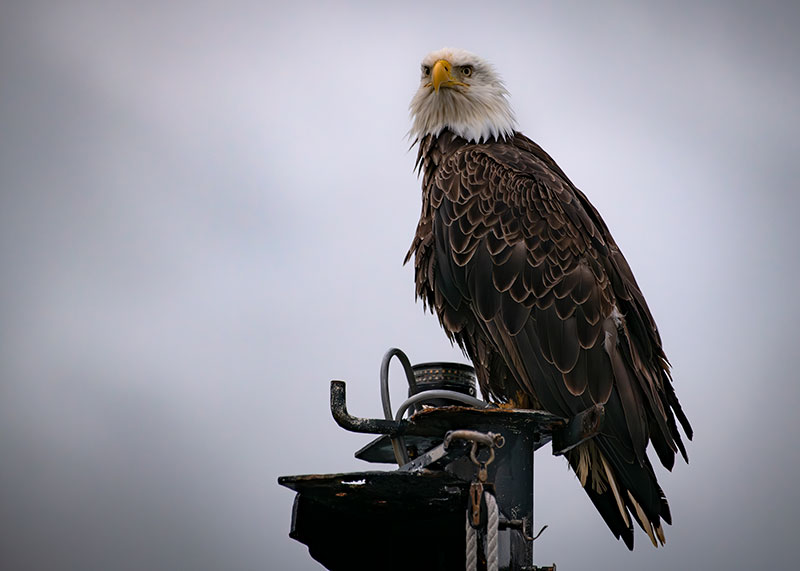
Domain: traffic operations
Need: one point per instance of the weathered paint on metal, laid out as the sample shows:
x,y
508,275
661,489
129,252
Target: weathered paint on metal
x,y
359,520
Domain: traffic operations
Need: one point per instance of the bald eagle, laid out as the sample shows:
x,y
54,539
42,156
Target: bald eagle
x,y
525,277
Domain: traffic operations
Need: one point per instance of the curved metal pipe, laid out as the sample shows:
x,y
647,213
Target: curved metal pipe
x,y
398,443
354,423
387,358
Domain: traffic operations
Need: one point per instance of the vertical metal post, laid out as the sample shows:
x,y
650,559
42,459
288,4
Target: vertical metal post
x,y
512,476
513,479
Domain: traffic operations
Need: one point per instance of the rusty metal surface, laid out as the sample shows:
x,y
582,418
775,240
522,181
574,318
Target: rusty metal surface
x,y
448,418
435,422
432,423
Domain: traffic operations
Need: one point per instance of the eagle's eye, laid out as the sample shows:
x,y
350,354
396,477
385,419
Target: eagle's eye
x,y
466,70
426,70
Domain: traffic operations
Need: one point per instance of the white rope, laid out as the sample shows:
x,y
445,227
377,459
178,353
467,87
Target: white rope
x,y
491,532
472,545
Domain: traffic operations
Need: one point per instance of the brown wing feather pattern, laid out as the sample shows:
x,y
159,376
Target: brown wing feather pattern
x,y
525,276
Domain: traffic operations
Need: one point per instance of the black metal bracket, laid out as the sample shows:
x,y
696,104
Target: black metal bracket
x,y
579,429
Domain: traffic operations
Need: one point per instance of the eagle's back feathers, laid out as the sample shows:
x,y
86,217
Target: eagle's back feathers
x,y
524,275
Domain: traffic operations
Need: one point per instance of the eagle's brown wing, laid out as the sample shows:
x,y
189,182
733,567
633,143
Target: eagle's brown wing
x,y
525,276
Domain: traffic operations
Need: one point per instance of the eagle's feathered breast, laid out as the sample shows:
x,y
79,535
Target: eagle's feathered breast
x,y
525,276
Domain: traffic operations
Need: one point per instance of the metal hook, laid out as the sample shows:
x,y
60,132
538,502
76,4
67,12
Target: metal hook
x,y
473,454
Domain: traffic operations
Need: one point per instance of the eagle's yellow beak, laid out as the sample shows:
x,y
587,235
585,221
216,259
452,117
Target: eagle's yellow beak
x,y
441,76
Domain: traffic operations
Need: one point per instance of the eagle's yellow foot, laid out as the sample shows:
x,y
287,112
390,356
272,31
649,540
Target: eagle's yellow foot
x,y
519,400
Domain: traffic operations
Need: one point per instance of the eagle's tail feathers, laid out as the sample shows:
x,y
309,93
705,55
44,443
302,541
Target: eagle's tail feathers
x,y
621,497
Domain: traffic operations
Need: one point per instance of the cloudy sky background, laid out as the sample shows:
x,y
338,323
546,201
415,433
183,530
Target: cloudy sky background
x,y
203,213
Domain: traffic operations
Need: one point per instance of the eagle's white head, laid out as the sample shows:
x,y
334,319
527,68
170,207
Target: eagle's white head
x,y
461,92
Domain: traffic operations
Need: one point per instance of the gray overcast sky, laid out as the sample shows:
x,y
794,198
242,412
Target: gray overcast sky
x,y
203,213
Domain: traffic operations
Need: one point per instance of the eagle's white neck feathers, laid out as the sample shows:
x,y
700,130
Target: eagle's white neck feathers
x,y
475,109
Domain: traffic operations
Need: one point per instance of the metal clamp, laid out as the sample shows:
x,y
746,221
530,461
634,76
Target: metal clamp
x,y
489,440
